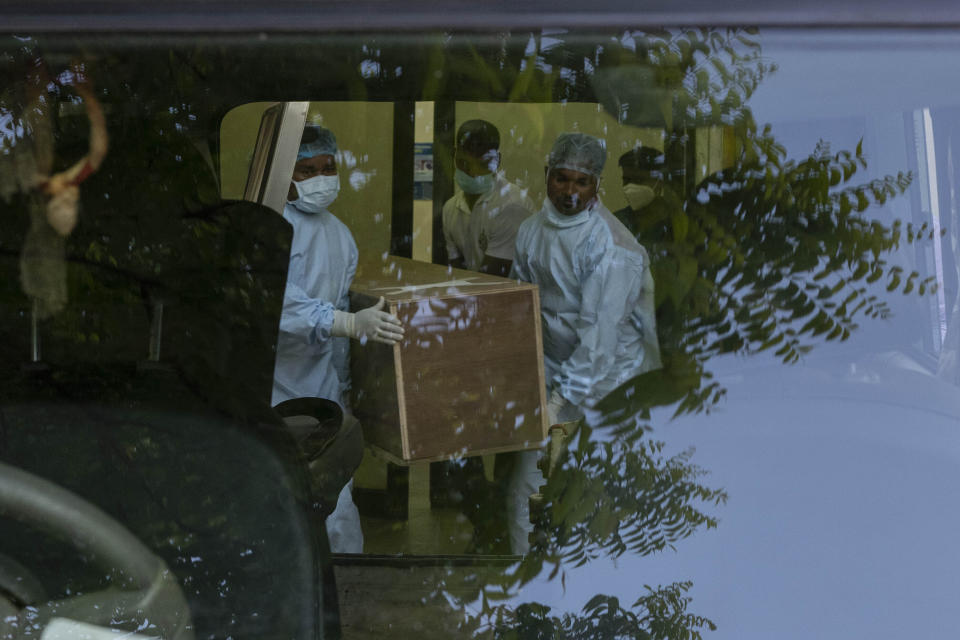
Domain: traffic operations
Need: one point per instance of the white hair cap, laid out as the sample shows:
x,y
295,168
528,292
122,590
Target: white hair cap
x,y
578,152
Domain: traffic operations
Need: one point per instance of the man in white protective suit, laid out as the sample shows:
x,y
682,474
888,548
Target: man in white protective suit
x,y
596,290
313,347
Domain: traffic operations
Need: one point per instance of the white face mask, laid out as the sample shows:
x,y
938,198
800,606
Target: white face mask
x,y
638,195
316,193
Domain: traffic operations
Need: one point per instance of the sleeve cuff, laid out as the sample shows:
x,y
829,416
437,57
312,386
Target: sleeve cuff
x,y
322,320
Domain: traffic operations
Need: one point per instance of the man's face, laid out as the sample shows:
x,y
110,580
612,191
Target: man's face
x,y
473,165
305,168
570,191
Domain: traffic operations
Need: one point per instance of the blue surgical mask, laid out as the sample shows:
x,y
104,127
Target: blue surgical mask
x,y
474,185
316,193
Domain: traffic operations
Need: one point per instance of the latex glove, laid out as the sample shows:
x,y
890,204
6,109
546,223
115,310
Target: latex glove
x,y
555,405
371,323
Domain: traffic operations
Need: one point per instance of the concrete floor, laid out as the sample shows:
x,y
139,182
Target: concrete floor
x,y
421,598
414,579
426,531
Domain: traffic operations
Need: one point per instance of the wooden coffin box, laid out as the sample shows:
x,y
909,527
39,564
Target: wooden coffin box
x,y
467,378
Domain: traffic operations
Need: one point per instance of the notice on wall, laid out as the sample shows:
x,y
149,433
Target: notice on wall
x,y
423,171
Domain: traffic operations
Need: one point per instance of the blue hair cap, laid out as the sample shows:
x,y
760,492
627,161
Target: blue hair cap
x,y
317,141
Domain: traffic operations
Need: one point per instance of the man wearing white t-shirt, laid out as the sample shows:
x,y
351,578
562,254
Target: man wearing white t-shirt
x,y
480,222
480,226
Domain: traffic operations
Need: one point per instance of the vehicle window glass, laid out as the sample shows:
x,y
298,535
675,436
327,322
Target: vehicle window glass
x,y
582,333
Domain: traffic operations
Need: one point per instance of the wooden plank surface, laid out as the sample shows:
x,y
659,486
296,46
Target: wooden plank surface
x,y
466,379
402,279
470,381
375,402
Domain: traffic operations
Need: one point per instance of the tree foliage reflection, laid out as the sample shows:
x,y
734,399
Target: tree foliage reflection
x,y
768,253
611,497
660,614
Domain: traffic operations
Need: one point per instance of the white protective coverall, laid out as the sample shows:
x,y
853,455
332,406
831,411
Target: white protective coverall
x,y
310,362
596,300
597,309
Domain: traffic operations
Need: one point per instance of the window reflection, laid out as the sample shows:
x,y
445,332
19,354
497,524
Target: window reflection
x,y
790,202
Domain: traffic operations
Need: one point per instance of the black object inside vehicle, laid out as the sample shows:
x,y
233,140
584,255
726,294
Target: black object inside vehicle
x,y
331,446
146,596
176,442
221,506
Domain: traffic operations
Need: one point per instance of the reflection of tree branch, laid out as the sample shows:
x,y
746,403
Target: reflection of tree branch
x,y
622,495
660,614
610,498
770,254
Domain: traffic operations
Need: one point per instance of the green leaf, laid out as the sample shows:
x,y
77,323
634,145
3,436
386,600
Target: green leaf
x,y
686,274
681,225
